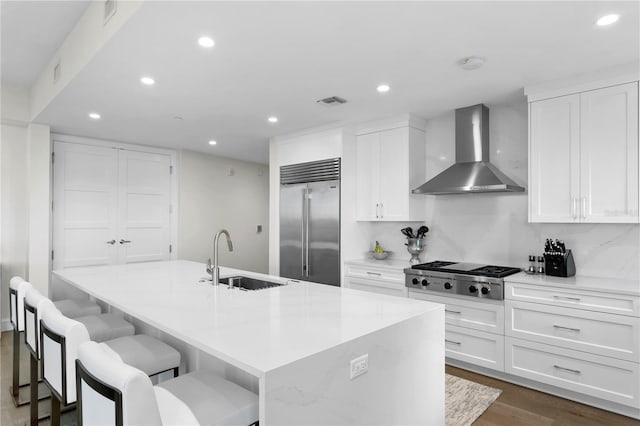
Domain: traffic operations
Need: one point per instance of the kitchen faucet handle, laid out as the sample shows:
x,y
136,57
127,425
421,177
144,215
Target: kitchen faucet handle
x,y
209,266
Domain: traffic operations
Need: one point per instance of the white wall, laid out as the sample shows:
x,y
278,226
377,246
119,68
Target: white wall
x,y
39,172
14,200
493,228
211,199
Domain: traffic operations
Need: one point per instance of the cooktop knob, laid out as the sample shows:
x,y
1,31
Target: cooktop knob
x,y
448,286
425,283
473,289
485,290
415,281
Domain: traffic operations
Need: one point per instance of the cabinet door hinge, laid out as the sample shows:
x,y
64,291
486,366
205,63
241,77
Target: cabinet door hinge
x,y
53,157
170,248
51,205
170,170
51,254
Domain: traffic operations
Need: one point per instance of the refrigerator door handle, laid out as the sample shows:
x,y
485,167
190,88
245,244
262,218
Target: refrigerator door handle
x,y
302,223
307,197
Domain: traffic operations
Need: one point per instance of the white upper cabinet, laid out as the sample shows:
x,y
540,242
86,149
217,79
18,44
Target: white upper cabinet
x,y
389,164
583,157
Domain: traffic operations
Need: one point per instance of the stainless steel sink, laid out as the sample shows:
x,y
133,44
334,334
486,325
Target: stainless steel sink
x,y
246,283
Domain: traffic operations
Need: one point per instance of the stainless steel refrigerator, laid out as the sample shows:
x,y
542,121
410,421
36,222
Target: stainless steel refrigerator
x,y
310,221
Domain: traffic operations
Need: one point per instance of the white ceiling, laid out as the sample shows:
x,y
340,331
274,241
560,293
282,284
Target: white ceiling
x,y
278,58
32,31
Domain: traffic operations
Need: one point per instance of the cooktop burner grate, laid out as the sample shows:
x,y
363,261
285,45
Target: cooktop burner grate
x,y
492,271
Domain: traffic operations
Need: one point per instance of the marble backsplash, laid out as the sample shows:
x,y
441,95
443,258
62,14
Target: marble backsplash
x,y
493,228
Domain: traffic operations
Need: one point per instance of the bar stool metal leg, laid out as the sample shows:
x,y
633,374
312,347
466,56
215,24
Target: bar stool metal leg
x,y
55,410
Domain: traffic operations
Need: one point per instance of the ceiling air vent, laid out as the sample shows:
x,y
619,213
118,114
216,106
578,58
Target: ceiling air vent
x,y
109,10
332,101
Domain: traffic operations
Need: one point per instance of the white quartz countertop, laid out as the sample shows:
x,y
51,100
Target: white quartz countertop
x,y
256,331
394,264
585,283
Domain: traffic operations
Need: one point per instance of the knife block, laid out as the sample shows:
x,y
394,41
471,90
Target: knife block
x,y
559,264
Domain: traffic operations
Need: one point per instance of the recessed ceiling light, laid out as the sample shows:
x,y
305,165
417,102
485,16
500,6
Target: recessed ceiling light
x,y
94,116
212,142
147,81
471,63
272,119
206,42
383,88
607,20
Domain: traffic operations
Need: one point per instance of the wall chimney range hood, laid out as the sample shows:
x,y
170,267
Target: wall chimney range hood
x,y
472,172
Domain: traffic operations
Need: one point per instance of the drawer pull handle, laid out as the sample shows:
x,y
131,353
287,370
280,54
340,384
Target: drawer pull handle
x,y
453,342
452,312
570,370
377,274
573,299
577,330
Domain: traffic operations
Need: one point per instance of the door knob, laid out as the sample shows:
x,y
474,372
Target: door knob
x,y
124,241
112,242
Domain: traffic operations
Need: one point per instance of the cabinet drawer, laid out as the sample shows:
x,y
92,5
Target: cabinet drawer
x,y
380,287
601,377
481,316
601,302
475,347
594,332
375,273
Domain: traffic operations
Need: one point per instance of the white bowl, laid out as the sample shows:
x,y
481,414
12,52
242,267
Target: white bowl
x,y
380,256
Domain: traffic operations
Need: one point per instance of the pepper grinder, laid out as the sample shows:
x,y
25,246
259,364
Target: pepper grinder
x,y
540,265
532,264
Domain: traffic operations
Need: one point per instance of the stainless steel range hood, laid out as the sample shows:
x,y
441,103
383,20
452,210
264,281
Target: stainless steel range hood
x,y
472,171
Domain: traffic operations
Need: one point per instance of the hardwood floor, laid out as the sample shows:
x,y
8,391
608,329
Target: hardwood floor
x,y
520,406
516,405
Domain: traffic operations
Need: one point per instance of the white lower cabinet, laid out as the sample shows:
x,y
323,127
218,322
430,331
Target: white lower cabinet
x,y
475,347
572,340
387,278
474,331
598,376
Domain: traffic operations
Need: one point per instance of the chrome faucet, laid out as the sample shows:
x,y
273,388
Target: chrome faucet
x,y
214,268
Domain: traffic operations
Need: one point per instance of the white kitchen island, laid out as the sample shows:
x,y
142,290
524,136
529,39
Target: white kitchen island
x,y
297,341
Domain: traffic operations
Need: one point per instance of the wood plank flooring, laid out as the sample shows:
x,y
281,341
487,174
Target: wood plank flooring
x,y
520,406
516,406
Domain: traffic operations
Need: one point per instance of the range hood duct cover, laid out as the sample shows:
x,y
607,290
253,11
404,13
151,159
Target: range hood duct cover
x,y
472,172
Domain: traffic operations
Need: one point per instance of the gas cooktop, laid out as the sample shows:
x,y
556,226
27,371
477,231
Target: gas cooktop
x,y
476,269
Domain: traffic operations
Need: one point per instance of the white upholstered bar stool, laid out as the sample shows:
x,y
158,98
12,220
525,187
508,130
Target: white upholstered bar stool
x,y
18,289
111,392
35,304
60,338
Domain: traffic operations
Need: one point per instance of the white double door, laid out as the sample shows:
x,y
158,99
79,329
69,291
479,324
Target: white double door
x,y
110,206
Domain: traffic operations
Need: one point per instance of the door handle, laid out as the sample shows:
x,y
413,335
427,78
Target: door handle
x,y
377,207
381,211
112,242
574,208
584,207
124,241
306,252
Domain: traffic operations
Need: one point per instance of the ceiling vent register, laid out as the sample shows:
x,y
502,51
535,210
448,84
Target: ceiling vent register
x,y
314,171
332,101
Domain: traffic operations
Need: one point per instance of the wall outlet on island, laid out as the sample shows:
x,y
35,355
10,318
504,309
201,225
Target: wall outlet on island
x,y
359,366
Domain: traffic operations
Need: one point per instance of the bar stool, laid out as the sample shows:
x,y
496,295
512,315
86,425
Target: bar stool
x,y
111,392
34,305
18,288
60,337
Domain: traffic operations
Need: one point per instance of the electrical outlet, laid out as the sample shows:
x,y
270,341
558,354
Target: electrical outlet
x,y
359,366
